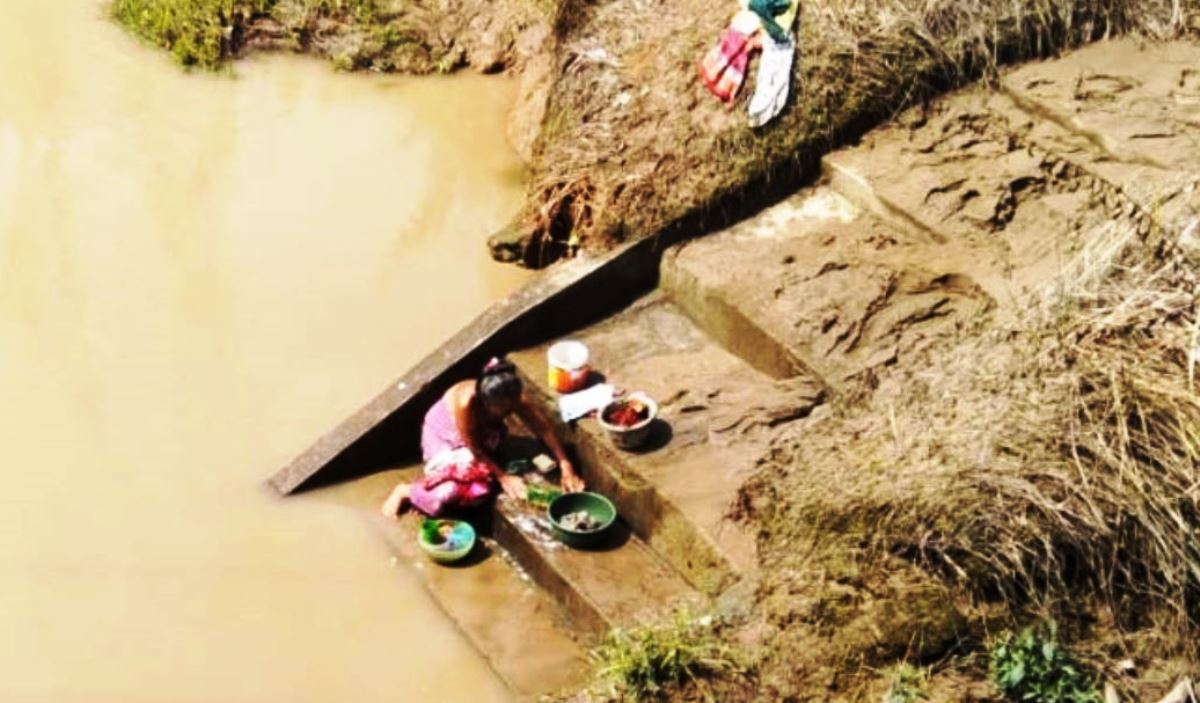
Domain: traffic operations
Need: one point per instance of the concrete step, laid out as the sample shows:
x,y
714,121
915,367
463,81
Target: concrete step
x,y
530,642
675,495
959,178
819,281
1126,111
619,583
984,182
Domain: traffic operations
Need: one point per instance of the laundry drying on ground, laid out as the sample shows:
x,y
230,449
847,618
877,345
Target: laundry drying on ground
x,y
760,24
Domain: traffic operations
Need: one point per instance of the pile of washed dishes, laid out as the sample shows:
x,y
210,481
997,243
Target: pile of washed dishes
x,y
582,521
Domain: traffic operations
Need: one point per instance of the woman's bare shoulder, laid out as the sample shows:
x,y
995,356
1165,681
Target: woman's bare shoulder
x,y
461,393
526,401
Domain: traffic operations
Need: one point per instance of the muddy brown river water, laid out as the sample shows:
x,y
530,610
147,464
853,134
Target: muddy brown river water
x,y
198,276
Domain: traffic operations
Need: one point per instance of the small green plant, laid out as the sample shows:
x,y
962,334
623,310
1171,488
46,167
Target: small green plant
x,y
906,684
644,663
447,63
1034,667
344,62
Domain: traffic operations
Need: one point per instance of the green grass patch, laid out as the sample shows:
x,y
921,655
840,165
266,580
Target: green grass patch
x,y
196,32
1033,666
906,684
648,662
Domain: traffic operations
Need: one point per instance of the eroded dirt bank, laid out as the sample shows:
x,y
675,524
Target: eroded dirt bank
x,y
959,372
621,137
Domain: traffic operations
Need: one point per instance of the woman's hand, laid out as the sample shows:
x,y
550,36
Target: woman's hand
x,y
571,483
513,486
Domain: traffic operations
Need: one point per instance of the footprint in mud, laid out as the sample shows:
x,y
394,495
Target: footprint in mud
x,y
1189,80
1102,87
1038,83
1188,91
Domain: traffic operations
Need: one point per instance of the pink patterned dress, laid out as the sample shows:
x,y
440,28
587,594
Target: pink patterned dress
x,y
453,476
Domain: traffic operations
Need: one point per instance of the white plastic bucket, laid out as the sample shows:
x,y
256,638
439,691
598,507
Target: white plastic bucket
x,y
568,366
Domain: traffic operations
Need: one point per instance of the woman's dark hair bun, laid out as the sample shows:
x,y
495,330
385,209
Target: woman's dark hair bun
x,y
499,366
499,381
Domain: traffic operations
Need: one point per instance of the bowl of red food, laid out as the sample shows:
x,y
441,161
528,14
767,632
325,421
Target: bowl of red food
x,y
628,418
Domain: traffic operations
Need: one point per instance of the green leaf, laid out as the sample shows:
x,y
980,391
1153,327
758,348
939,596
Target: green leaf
x,y
1016,675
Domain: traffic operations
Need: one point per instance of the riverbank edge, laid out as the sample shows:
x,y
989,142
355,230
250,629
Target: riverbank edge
x,y
621,139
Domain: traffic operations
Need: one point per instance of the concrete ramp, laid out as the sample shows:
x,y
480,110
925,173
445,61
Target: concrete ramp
x,y
385,431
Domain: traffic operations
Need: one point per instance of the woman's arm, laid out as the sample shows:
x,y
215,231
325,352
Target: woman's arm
x,y
539,425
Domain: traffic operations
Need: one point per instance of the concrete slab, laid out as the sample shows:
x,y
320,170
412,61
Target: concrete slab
x,y
832,286
1136,105
961,172
1007,211
620,583
716,410
527,639
386,431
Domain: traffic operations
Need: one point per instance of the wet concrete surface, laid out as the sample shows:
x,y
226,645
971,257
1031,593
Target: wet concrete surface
x,y
829,284
531,642
620,582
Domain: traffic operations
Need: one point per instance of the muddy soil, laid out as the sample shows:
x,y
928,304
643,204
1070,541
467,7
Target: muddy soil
x,y
991,296
421,37
888,528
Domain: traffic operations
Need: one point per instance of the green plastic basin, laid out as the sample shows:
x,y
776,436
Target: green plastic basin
x,y
459,544
596,505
